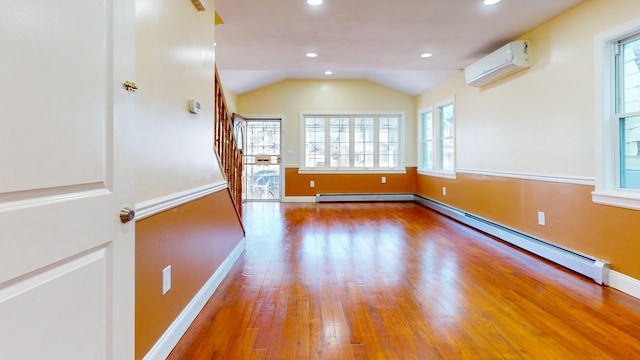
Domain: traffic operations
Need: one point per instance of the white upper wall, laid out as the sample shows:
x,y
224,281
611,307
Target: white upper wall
x,y
541,120
174,63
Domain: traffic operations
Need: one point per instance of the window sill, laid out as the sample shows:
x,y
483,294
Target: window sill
x,y
446,175
351,171
627,199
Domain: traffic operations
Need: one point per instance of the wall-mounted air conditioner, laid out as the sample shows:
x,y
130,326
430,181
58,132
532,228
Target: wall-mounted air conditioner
x,y
508,59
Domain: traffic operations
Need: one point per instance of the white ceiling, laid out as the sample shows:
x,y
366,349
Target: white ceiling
x,y
265,41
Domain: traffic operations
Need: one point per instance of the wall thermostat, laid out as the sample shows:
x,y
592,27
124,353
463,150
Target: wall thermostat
x,y
194,106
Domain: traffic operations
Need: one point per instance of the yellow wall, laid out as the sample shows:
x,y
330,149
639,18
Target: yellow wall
x,y
291,97
174,154
231,99
174,63
541,121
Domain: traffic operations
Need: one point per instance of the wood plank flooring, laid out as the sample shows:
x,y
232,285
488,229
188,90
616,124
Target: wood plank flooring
x,y
399,281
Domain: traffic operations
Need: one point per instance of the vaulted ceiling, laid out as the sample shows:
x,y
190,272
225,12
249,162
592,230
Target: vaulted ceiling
x,y
265,41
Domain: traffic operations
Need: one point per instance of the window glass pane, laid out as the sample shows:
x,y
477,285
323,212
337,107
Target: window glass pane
x,y
428,157
630,153
446,134
427,140
630,77
363,142
264,137
388,142
339,135
314,142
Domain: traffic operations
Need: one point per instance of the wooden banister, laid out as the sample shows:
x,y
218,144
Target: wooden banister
x,y
226,146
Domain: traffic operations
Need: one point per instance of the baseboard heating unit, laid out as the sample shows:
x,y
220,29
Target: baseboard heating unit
x,y
593,268
363,197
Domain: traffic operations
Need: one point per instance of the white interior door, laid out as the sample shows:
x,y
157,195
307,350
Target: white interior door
x,y
66,260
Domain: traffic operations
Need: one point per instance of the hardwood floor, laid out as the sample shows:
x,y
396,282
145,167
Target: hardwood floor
x,y
398,281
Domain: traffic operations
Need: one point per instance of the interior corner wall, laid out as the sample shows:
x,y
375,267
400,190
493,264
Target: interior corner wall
x,y
174,64
540,123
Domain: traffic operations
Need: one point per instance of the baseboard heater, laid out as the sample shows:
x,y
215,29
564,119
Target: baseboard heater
x,y
363,197
593,268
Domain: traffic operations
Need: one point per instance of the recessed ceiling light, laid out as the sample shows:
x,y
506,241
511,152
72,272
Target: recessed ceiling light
x,y
328,72
312,54
426,55
490,2
314,2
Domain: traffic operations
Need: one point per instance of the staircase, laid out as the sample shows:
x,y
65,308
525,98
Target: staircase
x,y
226,145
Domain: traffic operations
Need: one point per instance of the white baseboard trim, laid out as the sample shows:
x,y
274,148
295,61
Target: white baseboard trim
x,y
363,197
299,199
176,330
589,266
163,203
624,283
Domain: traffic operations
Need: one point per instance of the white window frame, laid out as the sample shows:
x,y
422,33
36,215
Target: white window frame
x,y
400,169
607,129
422,140
436,136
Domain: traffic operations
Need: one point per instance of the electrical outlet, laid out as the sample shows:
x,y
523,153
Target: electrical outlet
x,y
541,218
166,279
312,183
444,191
384,179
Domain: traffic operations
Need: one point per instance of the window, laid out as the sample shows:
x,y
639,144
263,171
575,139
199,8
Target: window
x,y
426,140
437,140
627,114
355,142
617,111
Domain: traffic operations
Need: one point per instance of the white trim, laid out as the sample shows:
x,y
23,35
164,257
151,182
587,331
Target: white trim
x,y
154,206
351,171
279,118
596,269
419,137
536,177
446,175
624,283
606,162
176,330
363,197
299,199
292,166
263,116
617,198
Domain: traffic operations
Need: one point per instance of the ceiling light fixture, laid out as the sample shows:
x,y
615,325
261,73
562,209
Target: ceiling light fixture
x,y
426,55
328,72
314,2
490,2
312,55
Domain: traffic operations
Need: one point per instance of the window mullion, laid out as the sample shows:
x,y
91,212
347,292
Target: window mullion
x,y
327,141
376,142
437,140
352,142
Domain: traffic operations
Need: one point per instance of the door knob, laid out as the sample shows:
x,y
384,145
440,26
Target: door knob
x,y
127,214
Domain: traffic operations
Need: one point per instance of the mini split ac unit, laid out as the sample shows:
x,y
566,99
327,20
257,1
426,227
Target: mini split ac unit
x,y
508,59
